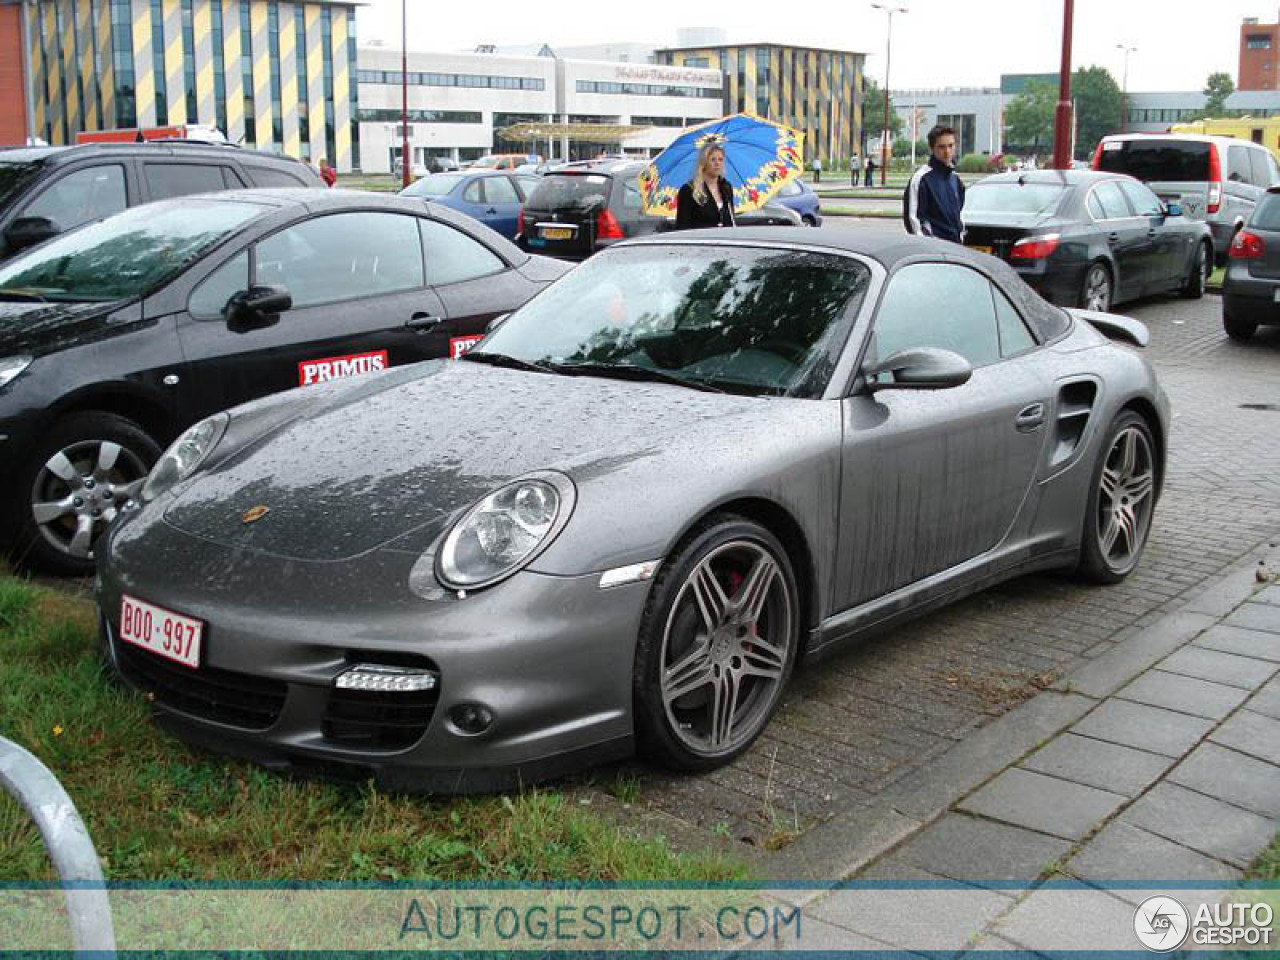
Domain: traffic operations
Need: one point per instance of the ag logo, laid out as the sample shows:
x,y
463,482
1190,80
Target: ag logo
x,y
1161,924
254,514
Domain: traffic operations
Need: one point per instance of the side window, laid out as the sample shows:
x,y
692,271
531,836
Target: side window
x,y
83,195
1095,206
1261,161
938,305
167,180
1238,160
343,256
474,191
525,186
452,256
631,197
499,190
1144,202
1014,335
270,177
1111,200
211,296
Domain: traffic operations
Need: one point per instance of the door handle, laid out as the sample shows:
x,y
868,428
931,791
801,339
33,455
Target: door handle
x,y
491,211
1151,233
423,322
1029,418
1113,238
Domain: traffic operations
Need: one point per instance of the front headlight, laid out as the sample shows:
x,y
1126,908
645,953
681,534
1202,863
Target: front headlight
x,y
505,530
10,367
184,455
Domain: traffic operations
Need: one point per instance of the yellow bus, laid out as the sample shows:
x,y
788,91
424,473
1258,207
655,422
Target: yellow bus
x,y
1263,130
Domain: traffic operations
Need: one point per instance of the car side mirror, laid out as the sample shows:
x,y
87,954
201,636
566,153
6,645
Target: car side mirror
x,y
496,322
921,368
28,231
1172,209
256,308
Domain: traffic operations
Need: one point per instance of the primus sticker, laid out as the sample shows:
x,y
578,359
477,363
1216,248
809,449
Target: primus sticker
x,y
460,345
332,368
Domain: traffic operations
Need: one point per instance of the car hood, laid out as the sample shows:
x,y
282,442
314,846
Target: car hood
x,y
41,328
396,457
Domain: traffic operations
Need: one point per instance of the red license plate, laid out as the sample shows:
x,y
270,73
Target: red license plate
x,y
161,631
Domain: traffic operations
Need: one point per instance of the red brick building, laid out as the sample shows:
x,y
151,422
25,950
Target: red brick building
x,y
1259,56
13,114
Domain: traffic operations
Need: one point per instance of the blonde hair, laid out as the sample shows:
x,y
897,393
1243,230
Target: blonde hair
x,y
699,183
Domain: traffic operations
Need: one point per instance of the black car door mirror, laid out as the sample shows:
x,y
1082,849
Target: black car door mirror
x,y
496,322
258,307
28,231
921,368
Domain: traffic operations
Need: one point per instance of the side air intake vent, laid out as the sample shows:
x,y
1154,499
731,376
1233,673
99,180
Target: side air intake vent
x,y
1075,403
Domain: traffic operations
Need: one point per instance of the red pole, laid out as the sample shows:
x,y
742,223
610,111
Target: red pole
x,y
405,161
1062,116
885,140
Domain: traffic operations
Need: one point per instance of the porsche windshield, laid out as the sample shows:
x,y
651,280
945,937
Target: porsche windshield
x,y
754,320
127,255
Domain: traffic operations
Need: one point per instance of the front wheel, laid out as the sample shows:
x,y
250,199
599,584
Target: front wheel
x,y
1095,291
717,645
1122,500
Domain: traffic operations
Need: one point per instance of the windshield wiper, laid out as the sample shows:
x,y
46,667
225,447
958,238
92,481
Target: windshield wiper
x,y
22,293
629,371
503,360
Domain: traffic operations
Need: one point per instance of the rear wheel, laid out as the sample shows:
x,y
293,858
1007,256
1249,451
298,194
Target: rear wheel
x,y
1095,291
1121,501
72,487
717,645
809,221
1236,328
1198,277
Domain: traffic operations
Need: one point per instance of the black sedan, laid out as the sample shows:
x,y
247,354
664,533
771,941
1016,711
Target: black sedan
x,y
115,337
1087,239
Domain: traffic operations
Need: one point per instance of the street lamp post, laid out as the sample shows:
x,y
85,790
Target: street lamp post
x,y
885,139
1124,86
1062,115
405,162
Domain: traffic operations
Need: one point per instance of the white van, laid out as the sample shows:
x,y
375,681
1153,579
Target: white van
x,y
1216,179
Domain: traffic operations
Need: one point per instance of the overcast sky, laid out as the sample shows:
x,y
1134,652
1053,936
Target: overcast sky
x,y
937,43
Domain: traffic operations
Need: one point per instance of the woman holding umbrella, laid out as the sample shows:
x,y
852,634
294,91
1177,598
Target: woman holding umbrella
x,y
707,199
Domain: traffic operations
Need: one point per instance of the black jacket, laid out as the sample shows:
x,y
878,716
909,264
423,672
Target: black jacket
x,y
932,202
690,214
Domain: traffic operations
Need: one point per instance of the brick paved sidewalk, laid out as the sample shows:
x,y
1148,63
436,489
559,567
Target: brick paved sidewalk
x,y
1158,761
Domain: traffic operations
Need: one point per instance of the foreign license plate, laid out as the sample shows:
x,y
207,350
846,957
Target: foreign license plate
x,y
557,233
980,249
161,631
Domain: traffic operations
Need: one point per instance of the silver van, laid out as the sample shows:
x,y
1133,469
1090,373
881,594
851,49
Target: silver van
x,y
1215,179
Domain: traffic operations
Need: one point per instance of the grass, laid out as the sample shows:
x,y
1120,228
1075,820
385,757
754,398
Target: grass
x,y
159,811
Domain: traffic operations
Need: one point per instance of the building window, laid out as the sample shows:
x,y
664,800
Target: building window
x,y
219,77
304,107
246,70
700,62
326,44
189,63
393,115
353,88
157,61
122,61
658,121
1258,41
273,47
762,81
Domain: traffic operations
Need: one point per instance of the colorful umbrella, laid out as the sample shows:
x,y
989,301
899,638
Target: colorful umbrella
x,y
760,158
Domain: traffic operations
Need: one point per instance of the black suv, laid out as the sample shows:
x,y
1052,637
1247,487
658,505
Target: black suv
x,y
45,191
579,209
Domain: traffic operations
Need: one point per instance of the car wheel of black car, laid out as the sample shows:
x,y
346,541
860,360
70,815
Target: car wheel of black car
x,y
74,484
1198,278
808,221
1095,291
1236,328
1122,500
717,645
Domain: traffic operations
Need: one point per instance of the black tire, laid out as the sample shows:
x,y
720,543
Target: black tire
x,y
52,546
1198,277
671,737
809,221
1099,561
1097,282
1237,329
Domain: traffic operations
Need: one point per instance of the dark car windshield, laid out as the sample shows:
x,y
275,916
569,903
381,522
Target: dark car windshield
x,y
752,320
570,191
434,185
1153,159
1266,215
1032,199
126,255
14,175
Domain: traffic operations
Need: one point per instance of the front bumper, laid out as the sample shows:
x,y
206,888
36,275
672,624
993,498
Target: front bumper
x,y
550,657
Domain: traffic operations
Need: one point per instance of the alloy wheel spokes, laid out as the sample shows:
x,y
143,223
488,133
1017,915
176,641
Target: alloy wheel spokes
x,y
108,454
724,708
52,510
750,599
692,672
763,659
710,596
1126,490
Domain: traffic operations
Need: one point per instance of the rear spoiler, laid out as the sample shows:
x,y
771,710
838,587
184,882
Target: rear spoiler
x,y
1115,326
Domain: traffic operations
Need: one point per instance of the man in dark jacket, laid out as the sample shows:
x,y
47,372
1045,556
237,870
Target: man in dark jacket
x,y
935,196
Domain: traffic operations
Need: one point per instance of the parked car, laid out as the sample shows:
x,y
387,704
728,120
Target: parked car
x,y
115,337
503,161
1215,179
800,197
1088,239
1251,287
493,197
628,512
417,170
442,165
577,210
45,191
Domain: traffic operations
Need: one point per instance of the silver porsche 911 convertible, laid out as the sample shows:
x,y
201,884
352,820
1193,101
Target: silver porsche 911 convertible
x,y
624,517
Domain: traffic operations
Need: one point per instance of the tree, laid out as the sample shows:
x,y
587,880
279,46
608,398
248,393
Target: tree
x,y
1099,107
873,112
1028,118
1216,90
